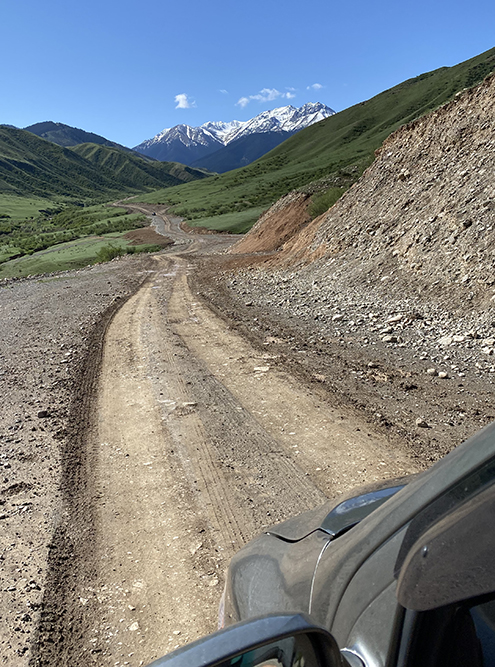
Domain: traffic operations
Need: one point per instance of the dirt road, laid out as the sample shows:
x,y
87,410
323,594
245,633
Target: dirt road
x,y
196,442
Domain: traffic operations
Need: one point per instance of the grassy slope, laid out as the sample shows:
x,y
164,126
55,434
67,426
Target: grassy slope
x,y
134,171
51,229
33,167
338,148
66,256
65,135
30,166
19,208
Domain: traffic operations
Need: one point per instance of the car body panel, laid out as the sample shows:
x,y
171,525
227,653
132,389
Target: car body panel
x,y
270,573
454,559
340,563
277,568
352,576
337,516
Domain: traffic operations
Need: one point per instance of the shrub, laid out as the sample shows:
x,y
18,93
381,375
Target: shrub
x,y
322,201
109,252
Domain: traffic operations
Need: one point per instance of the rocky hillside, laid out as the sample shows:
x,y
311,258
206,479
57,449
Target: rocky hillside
x,y
422,217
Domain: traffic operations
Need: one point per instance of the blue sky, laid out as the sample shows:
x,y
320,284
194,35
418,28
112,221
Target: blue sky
x,y
128,69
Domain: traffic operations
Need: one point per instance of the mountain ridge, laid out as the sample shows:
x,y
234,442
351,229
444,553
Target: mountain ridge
x,y
30,165
68,136
194,145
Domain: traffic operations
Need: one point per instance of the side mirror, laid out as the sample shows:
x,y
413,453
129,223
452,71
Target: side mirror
x,y
453,560
272,641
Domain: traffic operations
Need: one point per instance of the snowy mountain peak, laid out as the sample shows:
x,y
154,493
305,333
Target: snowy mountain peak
x,y
282,119
222,130
186,144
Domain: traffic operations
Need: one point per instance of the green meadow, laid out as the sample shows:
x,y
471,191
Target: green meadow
x,y
63,237
71,255
16,208
236,223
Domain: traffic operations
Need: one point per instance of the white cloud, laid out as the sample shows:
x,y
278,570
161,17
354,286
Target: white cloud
x,y
315,86
184,102
223,91
266,95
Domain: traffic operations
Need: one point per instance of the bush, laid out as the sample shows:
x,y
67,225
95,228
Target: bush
x,y
322,201
109,252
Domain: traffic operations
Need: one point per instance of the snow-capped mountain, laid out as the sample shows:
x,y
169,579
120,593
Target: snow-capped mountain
x,y
283,119
222,131
189,145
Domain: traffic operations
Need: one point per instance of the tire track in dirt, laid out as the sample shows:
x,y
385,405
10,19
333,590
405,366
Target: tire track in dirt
x,y
335,447
190,454
164,512
187,430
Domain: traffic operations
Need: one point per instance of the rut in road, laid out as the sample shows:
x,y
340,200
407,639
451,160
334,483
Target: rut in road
x,y
198,445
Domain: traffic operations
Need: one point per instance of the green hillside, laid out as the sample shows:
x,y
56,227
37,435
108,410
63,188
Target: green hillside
x,y
134,171
67,136
336,150
35,168
30,166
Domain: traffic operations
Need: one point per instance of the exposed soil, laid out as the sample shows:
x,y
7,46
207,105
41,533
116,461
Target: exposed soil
x,y
147,235
279,224
52,330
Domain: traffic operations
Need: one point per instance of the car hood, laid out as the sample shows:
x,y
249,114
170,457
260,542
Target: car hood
x,y
337,516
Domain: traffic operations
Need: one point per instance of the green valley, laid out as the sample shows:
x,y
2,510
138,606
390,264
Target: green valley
x,y
35,168
52,195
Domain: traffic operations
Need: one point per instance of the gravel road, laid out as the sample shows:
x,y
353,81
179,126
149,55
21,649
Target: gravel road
x,y
152,424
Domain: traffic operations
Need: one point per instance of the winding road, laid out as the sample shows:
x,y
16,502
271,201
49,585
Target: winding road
x,y
199,441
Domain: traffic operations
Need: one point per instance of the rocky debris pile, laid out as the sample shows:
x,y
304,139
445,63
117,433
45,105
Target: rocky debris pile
x,y
459,343
422,217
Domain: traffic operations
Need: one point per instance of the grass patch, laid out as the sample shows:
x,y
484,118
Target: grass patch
x,y
71,255
236,223
60,224
17,209
8,252
321,202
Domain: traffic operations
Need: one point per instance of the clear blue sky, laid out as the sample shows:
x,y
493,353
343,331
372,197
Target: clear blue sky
x,y
128,69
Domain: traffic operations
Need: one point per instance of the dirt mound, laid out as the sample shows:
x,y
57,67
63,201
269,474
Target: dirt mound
x,y
277,225
422,217
424,212
147,235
